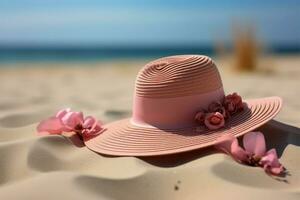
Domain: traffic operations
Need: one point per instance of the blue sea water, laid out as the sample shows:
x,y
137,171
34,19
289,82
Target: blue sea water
x,y
94,54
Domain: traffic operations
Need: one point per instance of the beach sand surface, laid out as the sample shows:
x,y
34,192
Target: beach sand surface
x,y
52,167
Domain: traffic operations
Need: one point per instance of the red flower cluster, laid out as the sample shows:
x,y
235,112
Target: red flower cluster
x,y
214,117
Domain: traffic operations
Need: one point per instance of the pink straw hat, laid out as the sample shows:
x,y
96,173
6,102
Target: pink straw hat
x,y
169,92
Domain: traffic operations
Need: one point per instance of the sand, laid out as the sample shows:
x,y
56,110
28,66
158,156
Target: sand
x,y
51,167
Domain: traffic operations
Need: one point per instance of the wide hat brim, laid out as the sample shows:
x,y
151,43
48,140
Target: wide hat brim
x,y
123,138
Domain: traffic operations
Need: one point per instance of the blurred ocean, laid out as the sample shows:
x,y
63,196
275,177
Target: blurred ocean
x,y
94,54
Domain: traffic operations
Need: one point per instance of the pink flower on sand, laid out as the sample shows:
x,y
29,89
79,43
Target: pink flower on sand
x,y
254,152
90,127
68,121
233,103
214,120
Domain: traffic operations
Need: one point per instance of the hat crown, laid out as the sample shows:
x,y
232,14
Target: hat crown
x,y
178,76
169,91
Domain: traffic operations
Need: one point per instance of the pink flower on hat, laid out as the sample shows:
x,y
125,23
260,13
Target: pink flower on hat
x,y
214,120
254,152
214,116
200,117
68,121
217,107
233,103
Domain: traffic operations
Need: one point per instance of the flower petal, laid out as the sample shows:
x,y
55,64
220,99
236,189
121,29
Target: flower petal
x,y
276,170
200,117
91,127
254,143
72,119
214,121
89,122
52,125
61,113
229,144
271,163
224,142
238,153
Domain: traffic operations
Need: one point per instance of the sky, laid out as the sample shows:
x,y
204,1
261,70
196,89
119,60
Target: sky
x,y
139,22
